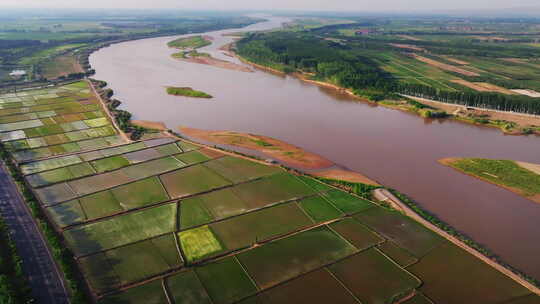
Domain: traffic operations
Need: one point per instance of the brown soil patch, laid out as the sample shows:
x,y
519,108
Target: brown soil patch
x,y
494,88
514,60
61,66
457,61
282,151
150,124
345,175
470,85
217,63
408,46
483,87
444,66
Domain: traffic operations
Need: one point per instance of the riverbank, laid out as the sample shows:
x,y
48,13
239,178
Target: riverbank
x,y
513,176
508,122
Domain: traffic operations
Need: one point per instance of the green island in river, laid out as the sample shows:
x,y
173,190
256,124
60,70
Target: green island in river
x,y
521,178
194,42
188,92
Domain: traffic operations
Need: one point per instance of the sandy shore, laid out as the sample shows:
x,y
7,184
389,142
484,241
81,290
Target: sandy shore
x,y
535,198
217,63
284,152
271,147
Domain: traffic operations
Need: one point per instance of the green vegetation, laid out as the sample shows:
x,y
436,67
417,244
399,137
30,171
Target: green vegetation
x,y
246,231
287,258
194,42
391,59
188,92
319,209
505,173
430,270
199,243
226,281
357,234
372,278
56,47
406,232
186,288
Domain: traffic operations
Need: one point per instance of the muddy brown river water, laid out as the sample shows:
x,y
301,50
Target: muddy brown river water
x,y
395,148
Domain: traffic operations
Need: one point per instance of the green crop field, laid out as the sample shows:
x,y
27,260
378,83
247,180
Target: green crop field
x,y
357,234
290,257
319,209
186,288
347,203
318,287
227,213
163,218
56,121
192,180
407,233
479,278
373,278
252,228
200,243
226,281
398,254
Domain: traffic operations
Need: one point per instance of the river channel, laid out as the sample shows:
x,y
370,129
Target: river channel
x,y
395,148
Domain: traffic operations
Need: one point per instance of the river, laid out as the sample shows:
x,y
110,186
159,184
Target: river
x,y
395,148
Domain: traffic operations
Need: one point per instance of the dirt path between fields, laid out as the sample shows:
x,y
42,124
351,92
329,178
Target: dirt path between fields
x,y
109,115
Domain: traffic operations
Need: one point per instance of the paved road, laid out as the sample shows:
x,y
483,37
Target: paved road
x,y
38,264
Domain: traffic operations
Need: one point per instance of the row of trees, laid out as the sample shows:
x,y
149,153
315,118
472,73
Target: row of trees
x,y
495,101
327,60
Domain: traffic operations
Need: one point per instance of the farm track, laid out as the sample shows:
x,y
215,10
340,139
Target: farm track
x,y
108,113
38,264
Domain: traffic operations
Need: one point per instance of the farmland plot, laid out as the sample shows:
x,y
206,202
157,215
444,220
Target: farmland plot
x,y
290,257
373,278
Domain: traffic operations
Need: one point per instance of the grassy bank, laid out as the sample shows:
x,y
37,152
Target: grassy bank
x,y
14,286
188,92
505,173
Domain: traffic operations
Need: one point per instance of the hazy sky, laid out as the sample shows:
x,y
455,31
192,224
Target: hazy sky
x,y
345,5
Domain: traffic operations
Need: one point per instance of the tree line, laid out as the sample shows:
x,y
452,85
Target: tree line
x,y
331,61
